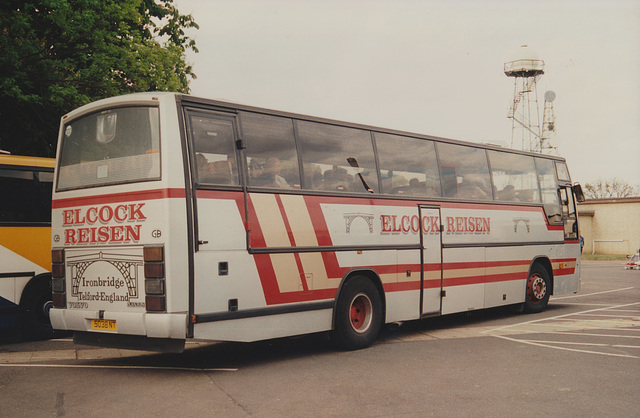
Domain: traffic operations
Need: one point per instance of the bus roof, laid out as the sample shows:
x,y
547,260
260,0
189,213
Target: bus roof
x,y
24,161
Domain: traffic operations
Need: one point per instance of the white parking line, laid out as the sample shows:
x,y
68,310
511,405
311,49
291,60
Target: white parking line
x,y
569,343
592,294
595,335
556,327
564,348
560,316
609,316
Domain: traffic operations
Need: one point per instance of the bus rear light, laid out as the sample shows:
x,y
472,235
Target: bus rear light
x,y
153,270
154,283
154,286
59,300
57,285
57,256
153,254
58,278
57,270
155,303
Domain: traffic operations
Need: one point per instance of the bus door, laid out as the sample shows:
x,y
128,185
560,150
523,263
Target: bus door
x,y
218,215
431,260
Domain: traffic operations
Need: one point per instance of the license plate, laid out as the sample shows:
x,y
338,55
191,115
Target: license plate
x,y
104,324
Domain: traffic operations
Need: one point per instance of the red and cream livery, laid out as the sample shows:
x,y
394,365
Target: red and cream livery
x,y
176,217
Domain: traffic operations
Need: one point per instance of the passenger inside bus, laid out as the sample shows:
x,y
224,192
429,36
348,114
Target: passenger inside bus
x,y
473,187
216,172
508,193
202,168
336,178
268,174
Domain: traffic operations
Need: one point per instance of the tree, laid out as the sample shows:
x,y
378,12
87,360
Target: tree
x,y
610,188
56,55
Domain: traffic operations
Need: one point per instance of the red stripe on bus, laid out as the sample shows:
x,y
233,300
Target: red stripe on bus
x,y
218,194
317,219
256,237
272,293
292,241
485,264
285,219
267,277
303,278
402,286
367,200
119,198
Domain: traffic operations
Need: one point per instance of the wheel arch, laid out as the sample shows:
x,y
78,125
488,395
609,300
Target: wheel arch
x,y
371,275
546,263
33,282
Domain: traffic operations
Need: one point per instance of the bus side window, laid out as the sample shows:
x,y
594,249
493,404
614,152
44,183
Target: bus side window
x,y
214,147
330,154
514,177
449,180
42,196
472,178
13,207
272,159
408,166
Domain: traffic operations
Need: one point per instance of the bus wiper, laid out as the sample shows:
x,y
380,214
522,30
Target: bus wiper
x,y
354,163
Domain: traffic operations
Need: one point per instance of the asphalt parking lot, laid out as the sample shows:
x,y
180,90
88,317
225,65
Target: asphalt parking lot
x,y
581,357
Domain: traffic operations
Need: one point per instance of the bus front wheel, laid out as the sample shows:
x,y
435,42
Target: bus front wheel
x,y
538,289
358,315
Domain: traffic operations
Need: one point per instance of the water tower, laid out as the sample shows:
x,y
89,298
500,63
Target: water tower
x,y
526,69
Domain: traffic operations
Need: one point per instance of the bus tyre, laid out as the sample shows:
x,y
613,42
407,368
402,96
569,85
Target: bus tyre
x,y
358,315
538,289
36,303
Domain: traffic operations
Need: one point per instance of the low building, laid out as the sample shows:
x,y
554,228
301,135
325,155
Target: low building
x,y
610,226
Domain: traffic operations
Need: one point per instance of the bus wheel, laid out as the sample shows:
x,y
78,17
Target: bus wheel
x,y
358,315
538,289
36,303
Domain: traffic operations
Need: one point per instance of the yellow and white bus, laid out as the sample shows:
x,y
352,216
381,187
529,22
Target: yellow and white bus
x,y
25,244
176,217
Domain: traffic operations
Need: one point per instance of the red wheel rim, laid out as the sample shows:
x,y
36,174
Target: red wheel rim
x,y
360,313
537,288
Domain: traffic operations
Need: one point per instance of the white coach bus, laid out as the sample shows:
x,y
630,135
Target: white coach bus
x,y
176,217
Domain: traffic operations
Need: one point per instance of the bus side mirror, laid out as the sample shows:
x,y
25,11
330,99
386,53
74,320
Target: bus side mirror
x,y
577,191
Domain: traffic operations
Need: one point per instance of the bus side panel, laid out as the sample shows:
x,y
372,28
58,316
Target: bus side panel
x,y
266,327
566,270
507,270
223,268
403,305
15,262
463,279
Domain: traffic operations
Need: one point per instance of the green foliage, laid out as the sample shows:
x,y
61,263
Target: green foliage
x,y
56,55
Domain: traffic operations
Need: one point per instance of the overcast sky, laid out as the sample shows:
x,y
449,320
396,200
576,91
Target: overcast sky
x,y
433,67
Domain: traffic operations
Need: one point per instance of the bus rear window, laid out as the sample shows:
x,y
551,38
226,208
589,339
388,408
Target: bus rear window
x,y
120,145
